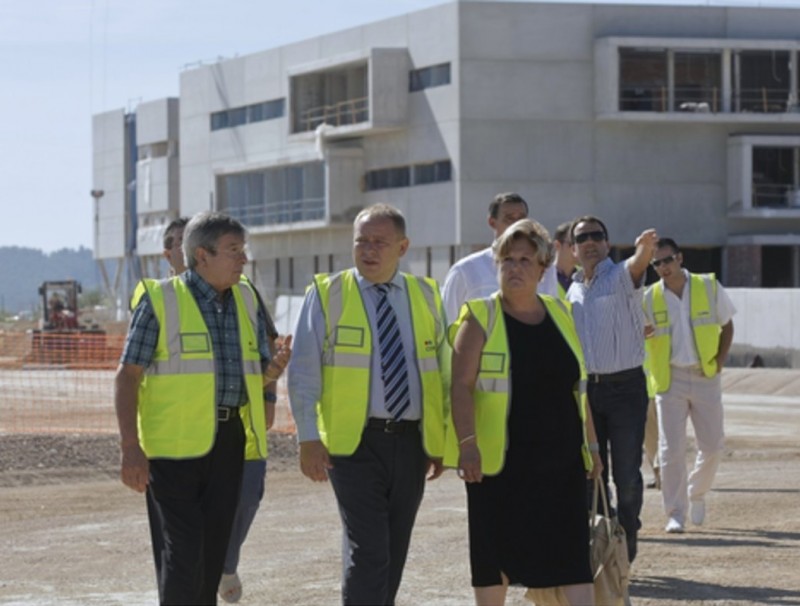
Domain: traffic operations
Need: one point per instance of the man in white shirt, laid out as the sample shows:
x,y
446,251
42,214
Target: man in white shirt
x,y
475,276
693,329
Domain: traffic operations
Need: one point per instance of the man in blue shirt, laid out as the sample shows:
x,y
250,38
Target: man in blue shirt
x,y
606,302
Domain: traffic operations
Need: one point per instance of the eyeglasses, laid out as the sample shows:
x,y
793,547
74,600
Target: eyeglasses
x,y
596,236
666,261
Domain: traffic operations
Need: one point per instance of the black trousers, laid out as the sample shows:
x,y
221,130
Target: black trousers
x,y
378,489
191,504
619,411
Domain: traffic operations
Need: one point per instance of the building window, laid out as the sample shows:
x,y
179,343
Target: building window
x,y
434,172
776,177
269,110
666,79
247,114
764,81
338,97
428,77
388,178
286,194
404,176
642,80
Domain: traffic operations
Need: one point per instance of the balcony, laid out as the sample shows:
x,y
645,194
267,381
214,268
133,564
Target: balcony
x,y
697,80
342,113
764,176
352,95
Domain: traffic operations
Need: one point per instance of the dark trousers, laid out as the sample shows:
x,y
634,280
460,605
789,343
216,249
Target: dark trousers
x,y
378,489
191,504
619,410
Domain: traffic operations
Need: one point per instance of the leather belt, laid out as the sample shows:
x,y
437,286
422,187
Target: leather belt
x,y
616,377
226,413
390,426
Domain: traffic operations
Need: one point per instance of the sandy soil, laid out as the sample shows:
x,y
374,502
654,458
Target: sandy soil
x,y
72,534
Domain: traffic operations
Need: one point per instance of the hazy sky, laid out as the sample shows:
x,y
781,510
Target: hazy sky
x,y
64,60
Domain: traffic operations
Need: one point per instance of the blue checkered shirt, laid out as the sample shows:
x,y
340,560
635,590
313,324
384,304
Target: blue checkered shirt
x,y
220,318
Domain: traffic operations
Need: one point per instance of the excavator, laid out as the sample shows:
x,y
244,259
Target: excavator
x,y
61,338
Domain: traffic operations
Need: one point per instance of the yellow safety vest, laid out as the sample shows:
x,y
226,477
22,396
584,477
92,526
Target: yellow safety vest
x,y
177,416
492,393
704,321
346,361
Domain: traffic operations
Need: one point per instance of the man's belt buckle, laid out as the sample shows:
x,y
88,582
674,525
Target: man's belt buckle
x,y
224,413
390,426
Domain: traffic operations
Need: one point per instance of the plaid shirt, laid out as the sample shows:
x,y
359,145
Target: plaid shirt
x,y
220,318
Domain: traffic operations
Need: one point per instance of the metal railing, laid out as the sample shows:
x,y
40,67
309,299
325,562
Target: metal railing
x,y
775,195
278,213
349,111
706,100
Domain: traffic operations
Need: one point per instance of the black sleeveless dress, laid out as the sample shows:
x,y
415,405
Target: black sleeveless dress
x,y
530,521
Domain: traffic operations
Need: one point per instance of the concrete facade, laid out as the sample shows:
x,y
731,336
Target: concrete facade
x,y
532,103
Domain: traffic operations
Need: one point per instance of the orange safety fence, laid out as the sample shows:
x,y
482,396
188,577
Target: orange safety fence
x,y
64,383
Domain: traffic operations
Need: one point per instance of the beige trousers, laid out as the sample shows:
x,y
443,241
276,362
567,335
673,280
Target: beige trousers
x,y
691,396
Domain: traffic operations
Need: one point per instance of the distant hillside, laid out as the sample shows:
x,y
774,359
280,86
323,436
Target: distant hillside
x,y
22,271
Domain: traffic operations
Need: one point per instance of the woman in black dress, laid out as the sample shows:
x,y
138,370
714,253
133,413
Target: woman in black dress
x,y
525,436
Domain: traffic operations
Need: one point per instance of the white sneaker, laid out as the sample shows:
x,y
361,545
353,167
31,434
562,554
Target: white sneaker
x,y
697,511
674,526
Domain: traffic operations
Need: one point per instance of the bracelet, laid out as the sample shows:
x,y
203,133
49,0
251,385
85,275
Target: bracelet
x,y
594,447
270,396
467,439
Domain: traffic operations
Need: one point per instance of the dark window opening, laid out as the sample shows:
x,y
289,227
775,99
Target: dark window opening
x,y
428,77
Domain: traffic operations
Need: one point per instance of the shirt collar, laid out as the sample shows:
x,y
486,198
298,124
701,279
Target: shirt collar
x,y
604,266
203,289
397,280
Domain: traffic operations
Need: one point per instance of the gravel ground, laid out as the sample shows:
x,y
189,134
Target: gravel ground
x,y
38,459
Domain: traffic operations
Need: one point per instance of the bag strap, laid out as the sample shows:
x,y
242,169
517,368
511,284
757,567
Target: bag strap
x,y
599,487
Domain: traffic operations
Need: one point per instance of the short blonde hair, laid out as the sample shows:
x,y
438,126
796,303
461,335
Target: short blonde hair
x,y
530,231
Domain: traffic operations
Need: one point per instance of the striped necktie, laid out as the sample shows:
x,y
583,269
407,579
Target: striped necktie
x,y
393,359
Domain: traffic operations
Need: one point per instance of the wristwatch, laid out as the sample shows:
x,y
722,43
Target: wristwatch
x,y
270,396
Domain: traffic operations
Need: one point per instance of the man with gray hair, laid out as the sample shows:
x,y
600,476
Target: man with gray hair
x,y
189,397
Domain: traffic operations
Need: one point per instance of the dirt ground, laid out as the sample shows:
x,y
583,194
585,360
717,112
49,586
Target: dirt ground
x,y
73,535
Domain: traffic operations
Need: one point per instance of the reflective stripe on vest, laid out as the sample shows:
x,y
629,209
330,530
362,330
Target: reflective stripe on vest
x,y
704,322
347,355
177,397
492,393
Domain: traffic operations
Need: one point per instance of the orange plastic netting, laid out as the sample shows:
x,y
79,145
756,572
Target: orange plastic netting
x,y
64,383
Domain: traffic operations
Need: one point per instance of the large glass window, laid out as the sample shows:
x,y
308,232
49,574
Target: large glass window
x,y
285,194
763,81
691,80
776,177
698,81
643,80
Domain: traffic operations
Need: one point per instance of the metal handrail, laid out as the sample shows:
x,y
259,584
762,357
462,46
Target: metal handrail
x,y
349,111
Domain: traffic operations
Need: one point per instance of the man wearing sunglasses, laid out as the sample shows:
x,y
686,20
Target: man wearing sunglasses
x,y
606,302
691,315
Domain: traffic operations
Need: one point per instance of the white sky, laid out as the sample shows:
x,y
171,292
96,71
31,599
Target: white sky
x,y
64,60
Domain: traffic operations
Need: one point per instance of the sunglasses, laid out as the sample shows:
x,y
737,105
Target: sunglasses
x,y
595,236
666,261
